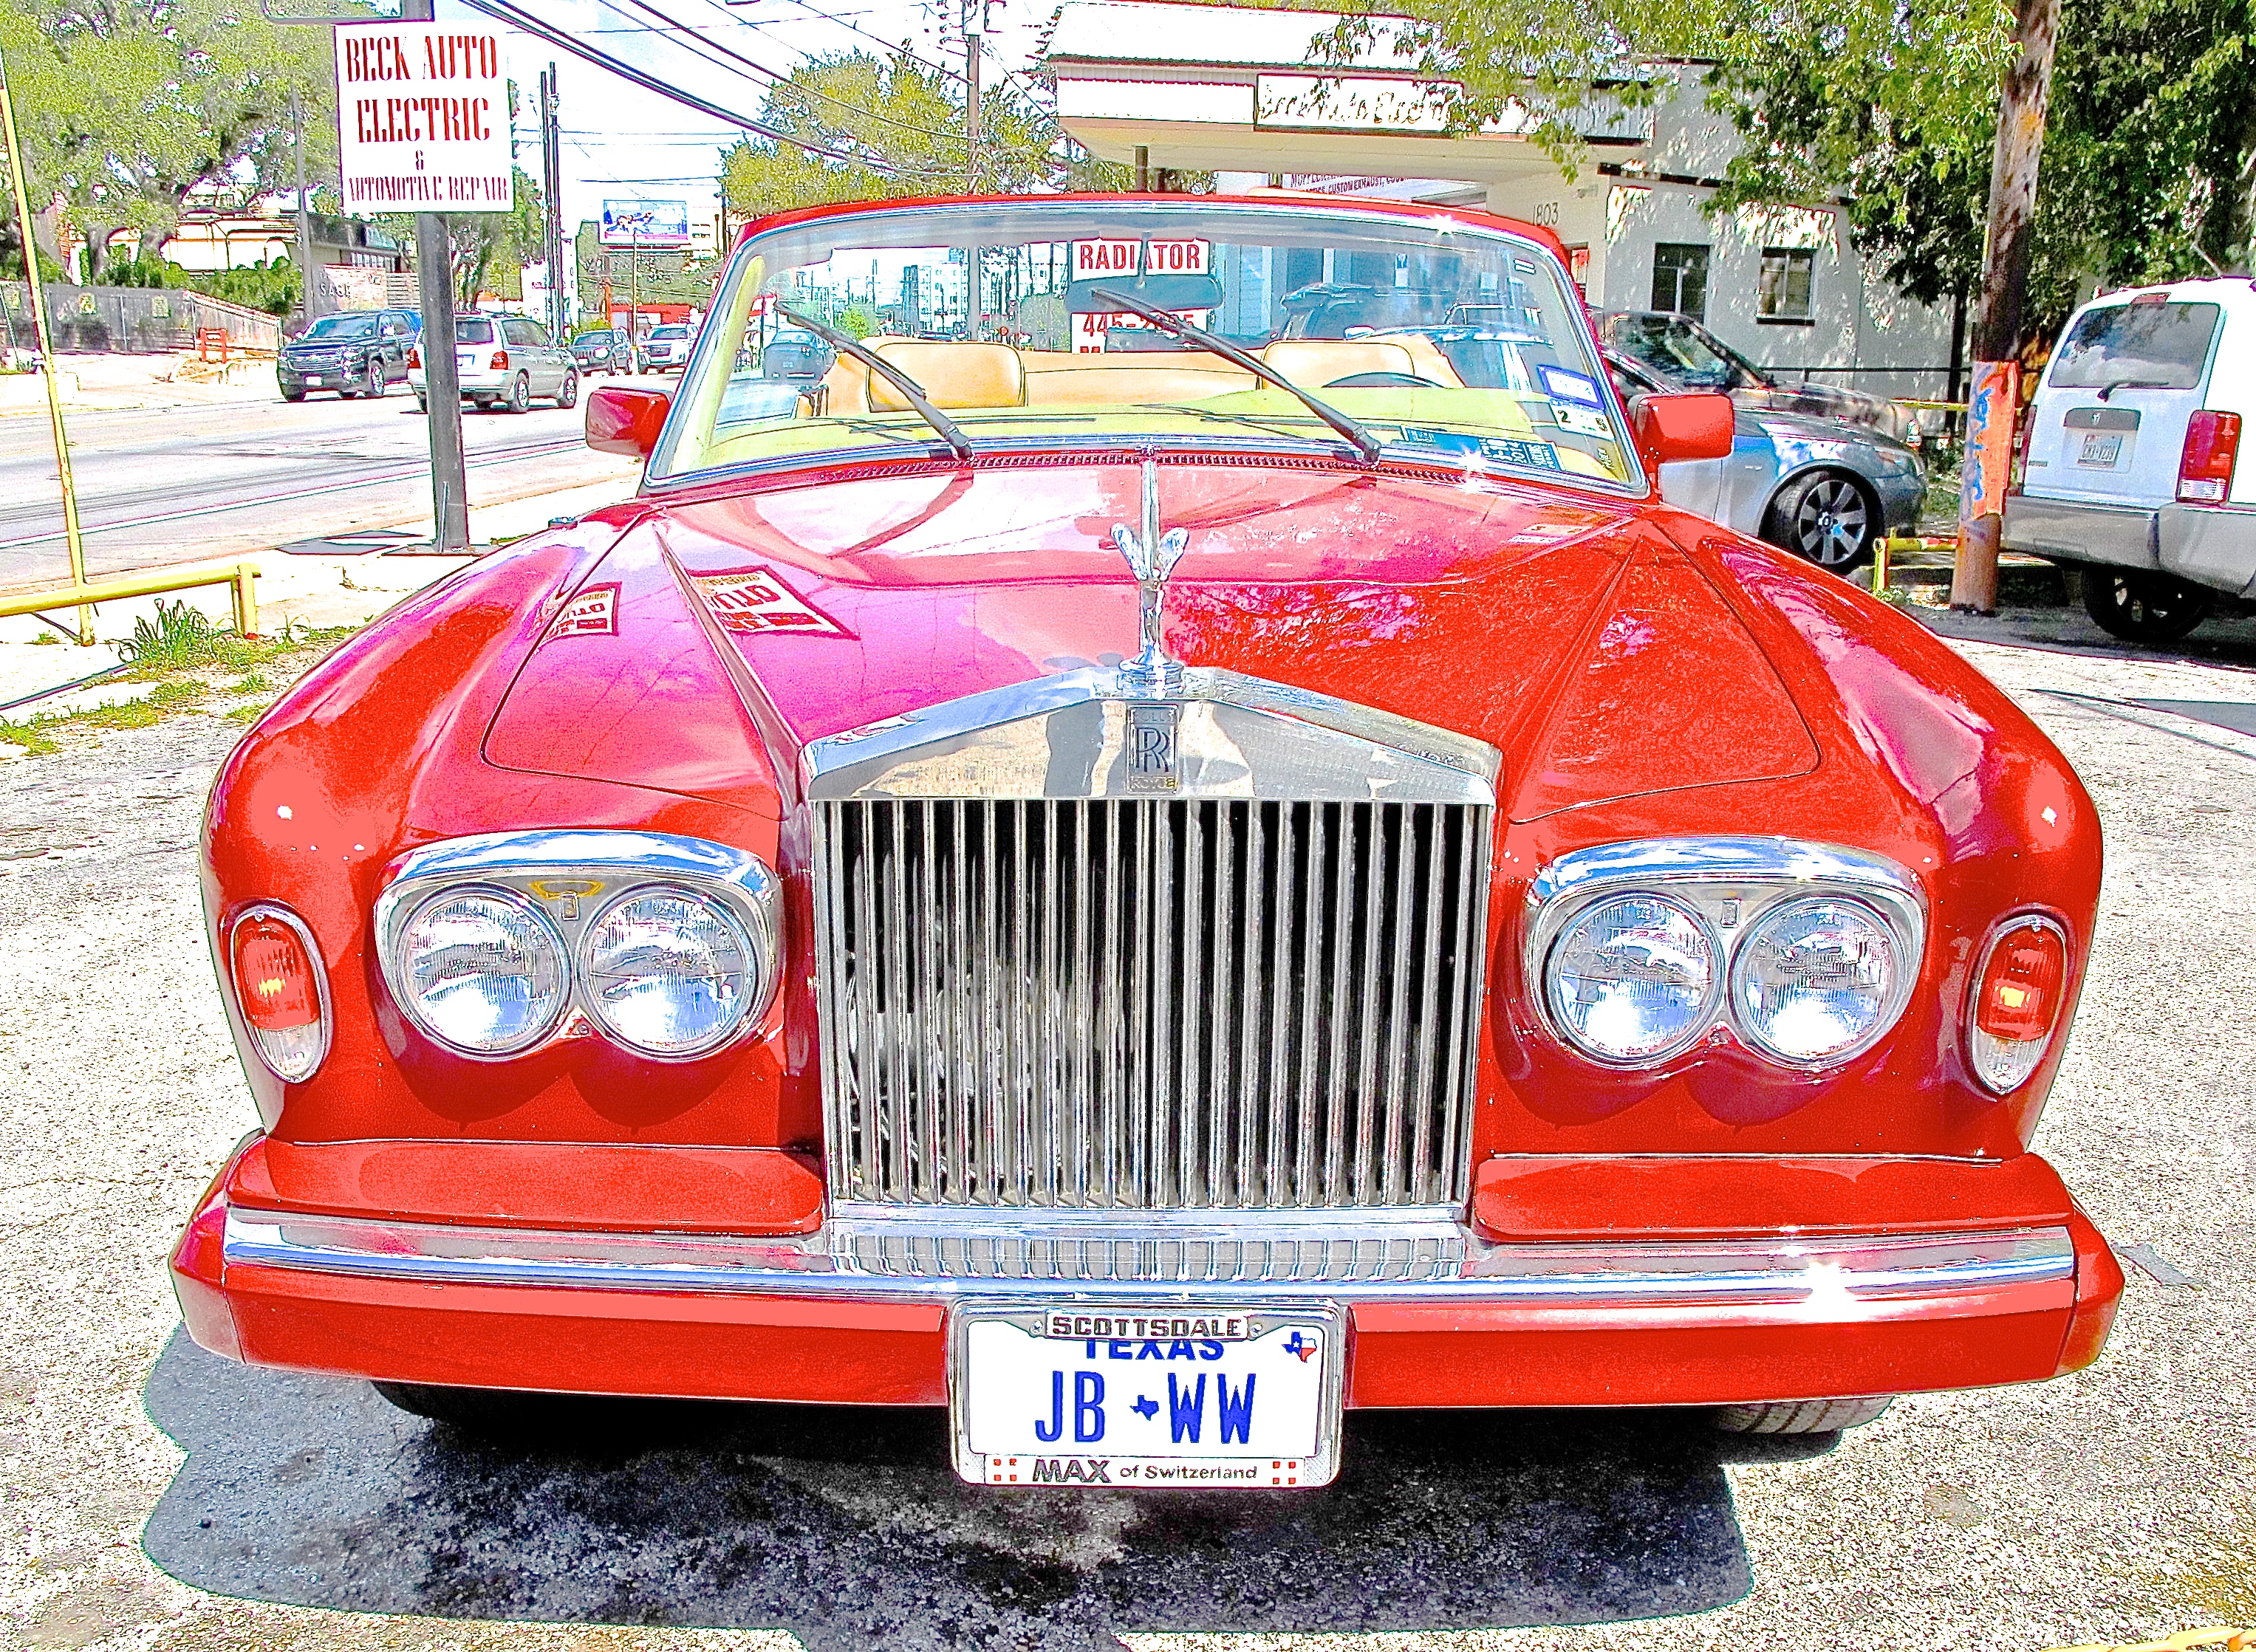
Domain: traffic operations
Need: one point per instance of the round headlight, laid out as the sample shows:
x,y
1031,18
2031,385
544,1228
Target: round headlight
x,y
1632,979
1812,981
484,970
670,972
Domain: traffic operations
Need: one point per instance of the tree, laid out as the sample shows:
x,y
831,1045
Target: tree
x,y
125,106
1888,108
900,114
2150,145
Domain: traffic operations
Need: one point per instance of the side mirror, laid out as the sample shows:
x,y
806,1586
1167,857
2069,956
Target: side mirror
x,y
1694,425
626,420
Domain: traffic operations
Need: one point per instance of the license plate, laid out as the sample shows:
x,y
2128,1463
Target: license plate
x,y
2101,451
313,378
1146,1398
465,359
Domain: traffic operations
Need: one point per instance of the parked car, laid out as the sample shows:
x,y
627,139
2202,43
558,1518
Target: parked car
x,y
1148,896
603,349
1822,488
356,353
667,348
2130,459
1681,348
504,360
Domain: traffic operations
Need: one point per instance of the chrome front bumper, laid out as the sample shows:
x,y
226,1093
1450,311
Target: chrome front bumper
x,y
879,1256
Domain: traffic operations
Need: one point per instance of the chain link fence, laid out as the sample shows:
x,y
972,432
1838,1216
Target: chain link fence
x,y
131,320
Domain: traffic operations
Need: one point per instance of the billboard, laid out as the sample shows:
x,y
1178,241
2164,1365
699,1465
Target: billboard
x,y
646,223
422,119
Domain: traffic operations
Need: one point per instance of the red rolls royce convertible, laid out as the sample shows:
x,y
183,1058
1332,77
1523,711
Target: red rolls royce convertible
x,y
1148,858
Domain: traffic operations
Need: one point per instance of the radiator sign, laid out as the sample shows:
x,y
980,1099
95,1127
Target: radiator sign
x,y
422,118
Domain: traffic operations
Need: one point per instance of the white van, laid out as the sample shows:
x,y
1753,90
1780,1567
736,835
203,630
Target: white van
x,y
2128,466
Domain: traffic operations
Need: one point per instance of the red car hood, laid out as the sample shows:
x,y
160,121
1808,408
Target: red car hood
x,y
1581,638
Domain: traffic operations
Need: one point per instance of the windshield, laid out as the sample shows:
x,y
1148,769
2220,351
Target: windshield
x,y
330,328
2163,345
669,332
601,335
1448,342
1684,350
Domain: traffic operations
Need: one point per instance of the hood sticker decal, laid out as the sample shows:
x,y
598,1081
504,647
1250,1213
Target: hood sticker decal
x,y
754,601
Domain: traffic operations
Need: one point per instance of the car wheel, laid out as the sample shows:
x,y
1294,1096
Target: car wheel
x,y
422,403
567,394
1825,518
376,384
289,395
1801,1416
2144,608
520,393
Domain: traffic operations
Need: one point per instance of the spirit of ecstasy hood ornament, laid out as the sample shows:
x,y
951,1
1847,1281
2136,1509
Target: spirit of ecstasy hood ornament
x,y
1152,557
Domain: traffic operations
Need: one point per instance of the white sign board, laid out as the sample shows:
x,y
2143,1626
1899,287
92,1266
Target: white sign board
x,y
422,118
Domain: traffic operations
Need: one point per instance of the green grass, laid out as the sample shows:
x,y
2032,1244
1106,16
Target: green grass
x,y
189,660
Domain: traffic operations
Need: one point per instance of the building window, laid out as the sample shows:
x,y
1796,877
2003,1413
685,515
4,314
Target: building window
x,y
1782,290
1680,279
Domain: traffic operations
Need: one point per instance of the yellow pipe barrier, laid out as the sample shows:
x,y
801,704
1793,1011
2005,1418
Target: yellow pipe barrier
x,y
245,594
49,368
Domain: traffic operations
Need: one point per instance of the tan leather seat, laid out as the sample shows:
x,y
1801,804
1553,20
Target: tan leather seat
x,y
1316,362
951,375
1063,378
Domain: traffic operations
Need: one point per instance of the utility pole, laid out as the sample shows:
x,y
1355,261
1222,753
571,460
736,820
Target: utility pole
x,y
1995,395
552,190
434,280
975,25
305,224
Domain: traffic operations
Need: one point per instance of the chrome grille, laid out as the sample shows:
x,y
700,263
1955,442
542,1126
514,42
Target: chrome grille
x,y
1146,1004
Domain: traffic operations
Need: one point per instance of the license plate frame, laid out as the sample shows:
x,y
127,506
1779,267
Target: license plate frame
x,y
2102,449
1313,1396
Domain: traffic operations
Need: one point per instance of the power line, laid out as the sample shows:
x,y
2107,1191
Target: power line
x,y
783,82
505,12
899,46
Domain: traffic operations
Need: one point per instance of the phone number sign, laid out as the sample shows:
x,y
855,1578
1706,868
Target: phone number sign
x,y
422,118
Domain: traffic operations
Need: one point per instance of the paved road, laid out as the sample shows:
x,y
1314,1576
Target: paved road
x,y
191,483
159,1498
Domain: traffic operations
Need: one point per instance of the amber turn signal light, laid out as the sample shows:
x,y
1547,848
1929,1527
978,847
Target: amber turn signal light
x,y
283,995
2018,998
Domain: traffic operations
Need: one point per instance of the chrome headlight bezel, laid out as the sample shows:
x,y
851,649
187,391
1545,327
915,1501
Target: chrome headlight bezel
x,y
1732,885
570,877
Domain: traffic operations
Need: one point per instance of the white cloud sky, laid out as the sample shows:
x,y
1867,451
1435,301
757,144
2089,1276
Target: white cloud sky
x,y
624,141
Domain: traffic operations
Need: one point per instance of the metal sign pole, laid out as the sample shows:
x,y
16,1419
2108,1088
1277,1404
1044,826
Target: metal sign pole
x,y
48,366
434,280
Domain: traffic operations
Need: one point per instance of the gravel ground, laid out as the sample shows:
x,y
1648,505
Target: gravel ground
x,y
157,1497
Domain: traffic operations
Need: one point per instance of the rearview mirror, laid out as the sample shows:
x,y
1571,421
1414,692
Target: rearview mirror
x,y
1694,425
625,419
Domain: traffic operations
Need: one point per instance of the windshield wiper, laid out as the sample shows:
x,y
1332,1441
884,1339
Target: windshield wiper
x,y
950,431
1359,435
2114,384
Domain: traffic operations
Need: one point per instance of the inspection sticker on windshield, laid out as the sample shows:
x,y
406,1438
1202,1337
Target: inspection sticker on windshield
x,y
1574,386
1584,421
753,602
